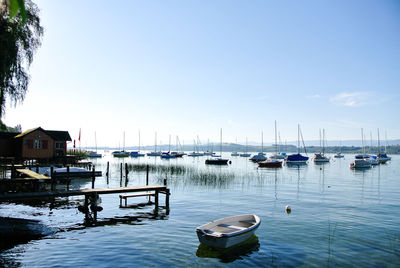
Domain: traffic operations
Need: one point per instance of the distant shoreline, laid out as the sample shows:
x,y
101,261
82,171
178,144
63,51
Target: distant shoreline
x,y
227,147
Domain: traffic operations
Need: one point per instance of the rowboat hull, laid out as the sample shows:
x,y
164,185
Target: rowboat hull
x,y
227,232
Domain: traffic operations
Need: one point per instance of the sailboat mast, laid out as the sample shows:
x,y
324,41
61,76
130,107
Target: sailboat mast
x,y
379,144
155,142
220,142
95,140
386,143
123,147
362,142
262,142
139,140
298,138
320,143
370,147
276,142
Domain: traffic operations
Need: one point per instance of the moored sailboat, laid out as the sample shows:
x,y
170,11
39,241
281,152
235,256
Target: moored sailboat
x,y
155,152
260,156
320,157
298,158
272,163
361,162
122,153
218,160
137,153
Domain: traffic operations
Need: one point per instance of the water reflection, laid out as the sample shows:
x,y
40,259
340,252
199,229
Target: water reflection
x,y
230,254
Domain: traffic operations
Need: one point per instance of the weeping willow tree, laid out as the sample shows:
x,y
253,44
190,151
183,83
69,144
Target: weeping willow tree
x,y
20,37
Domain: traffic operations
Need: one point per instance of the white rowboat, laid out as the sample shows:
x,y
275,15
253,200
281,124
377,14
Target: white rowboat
x,y
227,232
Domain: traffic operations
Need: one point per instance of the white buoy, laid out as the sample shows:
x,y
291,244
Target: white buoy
x,y
288,209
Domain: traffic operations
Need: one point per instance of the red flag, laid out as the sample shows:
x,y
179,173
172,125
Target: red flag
x,y
79,139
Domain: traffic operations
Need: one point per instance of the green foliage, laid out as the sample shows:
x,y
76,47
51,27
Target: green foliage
x,y
5,128
78,153
20,36
16,6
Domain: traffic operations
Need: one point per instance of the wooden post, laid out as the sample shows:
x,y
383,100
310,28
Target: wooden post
x,y
68,180
53,179
156,199
167,198
94,205
147,175
165,182
37,168
108,170
86,205
93,177
121,171
126,174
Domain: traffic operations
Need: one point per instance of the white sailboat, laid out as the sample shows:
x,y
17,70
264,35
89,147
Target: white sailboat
x,y
278,154
320,157
339,154
94,154
195,152
179,151
122,153
235,153
361,163
382,157
155,152
372,158
245,154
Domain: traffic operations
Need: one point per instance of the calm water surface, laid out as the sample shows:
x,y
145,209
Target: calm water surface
x,y
340,218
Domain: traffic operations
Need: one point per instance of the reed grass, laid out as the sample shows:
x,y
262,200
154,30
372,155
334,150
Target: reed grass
x,y
171,170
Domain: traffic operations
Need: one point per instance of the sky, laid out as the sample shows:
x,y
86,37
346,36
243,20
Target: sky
x,y
190,68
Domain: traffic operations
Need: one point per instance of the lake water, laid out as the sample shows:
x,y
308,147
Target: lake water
x,y
340,218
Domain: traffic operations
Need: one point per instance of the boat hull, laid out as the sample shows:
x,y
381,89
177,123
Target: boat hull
x,y
227,232
223,242
217,161
270,164
360,164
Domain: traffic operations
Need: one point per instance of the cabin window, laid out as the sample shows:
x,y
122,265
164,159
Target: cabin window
x,y
37,144
59,145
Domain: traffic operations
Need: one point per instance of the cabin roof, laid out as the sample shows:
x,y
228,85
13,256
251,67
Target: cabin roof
x,y
55,134
26,132
59,135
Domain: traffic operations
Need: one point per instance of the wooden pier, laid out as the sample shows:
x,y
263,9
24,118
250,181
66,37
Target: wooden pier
x,y
92,195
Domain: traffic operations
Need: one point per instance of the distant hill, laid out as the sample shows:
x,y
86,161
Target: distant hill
x,y
232,147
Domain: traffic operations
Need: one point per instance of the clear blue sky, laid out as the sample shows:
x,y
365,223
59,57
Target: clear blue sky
x,y
189,68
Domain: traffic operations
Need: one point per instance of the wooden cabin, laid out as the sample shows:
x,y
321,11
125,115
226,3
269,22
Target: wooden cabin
x,y
35,143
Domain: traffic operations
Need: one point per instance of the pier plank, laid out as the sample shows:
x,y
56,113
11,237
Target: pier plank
x,y
32,174
17,196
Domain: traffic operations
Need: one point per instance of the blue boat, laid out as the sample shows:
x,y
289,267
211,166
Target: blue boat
x,y
298,158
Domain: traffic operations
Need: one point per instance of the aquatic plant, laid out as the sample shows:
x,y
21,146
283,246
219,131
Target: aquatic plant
x,y
171,170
